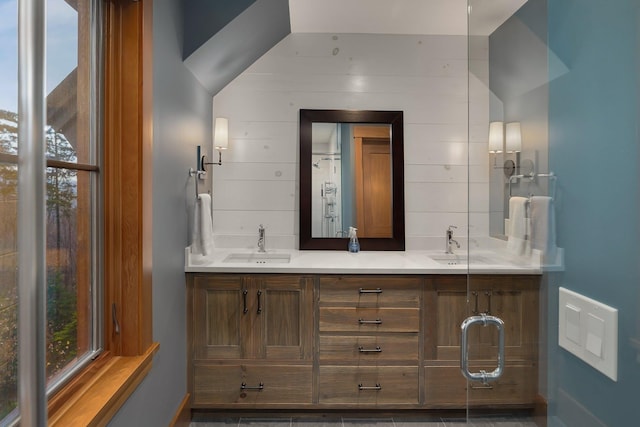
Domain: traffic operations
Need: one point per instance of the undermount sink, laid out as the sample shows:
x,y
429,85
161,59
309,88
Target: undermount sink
x,y
449,259
462,259
259,258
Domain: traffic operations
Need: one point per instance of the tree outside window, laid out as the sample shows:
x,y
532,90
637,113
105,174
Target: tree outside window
x,y
71,182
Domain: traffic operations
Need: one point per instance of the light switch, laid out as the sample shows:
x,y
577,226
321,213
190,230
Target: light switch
x,y
572,326
589,329
595,335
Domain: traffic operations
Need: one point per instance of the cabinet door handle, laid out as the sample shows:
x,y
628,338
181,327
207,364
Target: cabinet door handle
x,y
244,301
361,349
483,375
475,310
258,387
259,302
488,294
370,291
377,387
370,322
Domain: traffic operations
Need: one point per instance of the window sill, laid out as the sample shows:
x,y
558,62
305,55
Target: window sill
x,y
94,402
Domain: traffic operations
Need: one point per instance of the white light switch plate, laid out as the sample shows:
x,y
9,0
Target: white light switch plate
x,y
589,329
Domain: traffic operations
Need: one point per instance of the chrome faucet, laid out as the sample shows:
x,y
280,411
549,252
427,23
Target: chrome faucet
x,y
450,240
261,238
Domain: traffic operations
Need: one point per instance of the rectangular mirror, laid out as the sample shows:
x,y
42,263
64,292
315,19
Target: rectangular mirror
x,y
351,174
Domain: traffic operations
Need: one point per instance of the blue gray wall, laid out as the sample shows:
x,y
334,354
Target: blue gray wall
x,y
182,120
206,18
594,148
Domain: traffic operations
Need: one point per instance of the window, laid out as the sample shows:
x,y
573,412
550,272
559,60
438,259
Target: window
x,y
79,189
8,205
72,242
71,187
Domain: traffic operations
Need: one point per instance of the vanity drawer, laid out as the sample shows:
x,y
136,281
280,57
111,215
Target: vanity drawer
x,y
366,349
213,385
368,385
370,291
447,388
364,320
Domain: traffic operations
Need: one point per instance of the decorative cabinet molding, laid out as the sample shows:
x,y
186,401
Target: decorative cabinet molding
x,y
368,331
250,340
264,341
514,299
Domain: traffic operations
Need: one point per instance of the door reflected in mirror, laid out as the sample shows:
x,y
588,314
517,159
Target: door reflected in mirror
x,y
351,180
351,175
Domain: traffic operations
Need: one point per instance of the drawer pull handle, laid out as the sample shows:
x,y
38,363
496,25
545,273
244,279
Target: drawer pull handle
x,y
488,294
370,291
361,349
377,387
370,322
258,387
481,387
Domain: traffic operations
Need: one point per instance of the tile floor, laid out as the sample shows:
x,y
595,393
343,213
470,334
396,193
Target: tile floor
x,y
362,422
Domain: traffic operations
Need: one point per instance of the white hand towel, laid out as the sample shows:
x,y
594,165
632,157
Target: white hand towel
x,y
202,231
518,242
543,227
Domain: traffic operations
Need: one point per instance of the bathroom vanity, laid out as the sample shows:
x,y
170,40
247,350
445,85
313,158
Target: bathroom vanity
x,y
316,333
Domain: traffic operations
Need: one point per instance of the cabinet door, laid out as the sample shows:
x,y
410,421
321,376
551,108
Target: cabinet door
x,y
514,299
218,317
286,317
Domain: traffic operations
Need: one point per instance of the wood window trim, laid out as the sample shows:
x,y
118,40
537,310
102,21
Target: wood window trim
x,y
96,393
99,394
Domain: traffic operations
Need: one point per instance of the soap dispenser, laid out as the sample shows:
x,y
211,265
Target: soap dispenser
x,y
354,245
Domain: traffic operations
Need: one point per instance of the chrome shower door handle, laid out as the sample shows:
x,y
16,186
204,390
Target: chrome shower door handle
x,y
483,375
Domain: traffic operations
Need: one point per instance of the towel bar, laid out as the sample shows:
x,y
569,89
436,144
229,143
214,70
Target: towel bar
x,y
551,176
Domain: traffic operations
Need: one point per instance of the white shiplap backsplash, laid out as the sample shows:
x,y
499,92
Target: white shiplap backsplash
x,y
424,76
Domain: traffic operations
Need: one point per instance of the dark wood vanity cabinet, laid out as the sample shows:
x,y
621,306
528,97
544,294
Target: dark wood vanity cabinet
x,y
267,341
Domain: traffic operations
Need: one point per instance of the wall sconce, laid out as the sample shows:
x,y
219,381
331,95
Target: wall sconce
x,y
220,141
496,137
513,138
513,144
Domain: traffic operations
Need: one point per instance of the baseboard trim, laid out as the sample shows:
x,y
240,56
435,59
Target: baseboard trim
x,y
574,413
182,418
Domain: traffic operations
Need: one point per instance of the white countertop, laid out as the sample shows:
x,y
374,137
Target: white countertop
x,y
364,262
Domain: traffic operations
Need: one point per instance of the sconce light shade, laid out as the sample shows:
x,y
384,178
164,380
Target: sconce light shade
x,y
496,137
221,133
514,138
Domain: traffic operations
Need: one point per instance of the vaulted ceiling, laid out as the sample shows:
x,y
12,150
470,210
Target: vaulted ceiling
x,y
221,41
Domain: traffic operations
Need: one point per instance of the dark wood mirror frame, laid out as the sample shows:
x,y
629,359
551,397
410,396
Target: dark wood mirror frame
x,y
393,118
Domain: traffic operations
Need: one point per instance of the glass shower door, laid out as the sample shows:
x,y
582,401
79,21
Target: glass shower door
x,y
500,334
553,205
